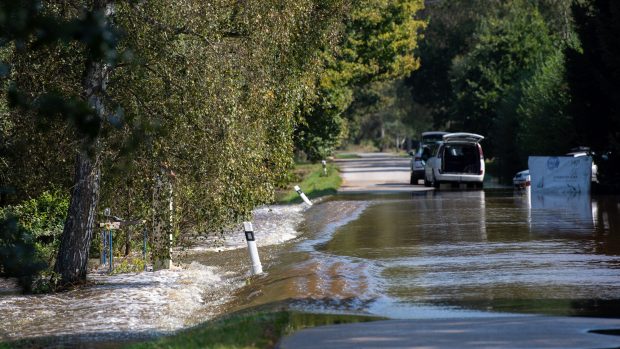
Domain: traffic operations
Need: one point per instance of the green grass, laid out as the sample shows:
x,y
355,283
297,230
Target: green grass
x,y
254,330
313,183
347,156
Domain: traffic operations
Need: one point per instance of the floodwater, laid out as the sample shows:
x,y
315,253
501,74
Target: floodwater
x,y
424,255
144,305
453,254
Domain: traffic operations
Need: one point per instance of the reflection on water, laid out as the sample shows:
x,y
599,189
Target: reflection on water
x,y
429,255
557,212
448,254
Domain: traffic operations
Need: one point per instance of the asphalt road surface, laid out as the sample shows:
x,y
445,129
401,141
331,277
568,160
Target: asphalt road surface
x,y
376,173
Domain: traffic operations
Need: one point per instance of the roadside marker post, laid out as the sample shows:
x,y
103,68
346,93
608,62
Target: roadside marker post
x,y
104,247
107,237
257,268
144,249
111,250
303,196
324,167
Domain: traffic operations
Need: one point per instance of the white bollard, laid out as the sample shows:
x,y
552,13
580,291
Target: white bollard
x,y
324,167
257,268
303,196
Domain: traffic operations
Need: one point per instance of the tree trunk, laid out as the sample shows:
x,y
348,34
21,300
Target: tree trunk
x,y
72,260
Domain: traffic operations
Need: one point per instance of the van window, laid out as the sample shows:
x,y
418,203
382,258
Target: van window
x,y
461,158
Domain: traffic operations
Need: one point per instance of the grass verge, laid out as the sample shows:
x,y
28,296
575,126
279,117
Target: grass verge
x,y
312,181
248,331
346,156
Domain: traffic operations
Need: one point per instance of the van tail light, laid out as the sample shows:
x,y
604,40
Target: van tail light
x,y
481,172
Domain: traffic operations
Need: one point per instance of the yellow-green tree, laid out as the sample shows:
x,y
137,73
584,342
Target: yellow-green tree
x,y
378,43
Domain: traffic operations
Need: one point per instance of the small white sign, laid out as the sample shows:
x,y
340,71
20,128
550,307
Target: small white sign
x,y
110,225
560,174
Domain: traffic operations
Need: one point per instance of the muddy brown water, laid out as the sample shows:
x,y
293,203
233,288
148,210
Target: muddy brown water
x,y
423,255
451,254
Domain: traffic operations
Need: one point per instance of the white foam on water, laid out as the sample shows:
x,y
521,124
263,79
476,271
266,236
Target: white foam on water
x,y
144,303
272,225
151,302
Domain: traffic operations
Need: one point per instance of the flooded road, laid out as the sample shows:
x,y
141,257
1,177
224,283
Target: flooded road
x,y
453,254
435,254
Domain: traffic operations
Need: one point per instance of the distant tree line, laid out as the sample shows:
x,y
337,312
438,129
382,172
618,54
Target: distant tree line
x,y
185,114
536,77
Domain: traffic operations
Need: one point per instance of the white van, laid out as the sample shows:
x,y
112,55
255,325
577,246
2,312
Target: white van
x,y
459,159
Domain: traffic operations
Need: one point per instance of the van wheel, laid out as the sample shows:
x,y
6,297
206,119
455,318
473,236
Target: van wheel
x,y
435,182
426,183
413,179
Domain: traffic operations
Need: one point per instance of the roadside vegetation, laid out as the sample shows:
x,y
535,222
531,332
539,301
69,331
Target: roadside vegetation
x,y
534,77
184,114
249,330
187,114
346,156
313,181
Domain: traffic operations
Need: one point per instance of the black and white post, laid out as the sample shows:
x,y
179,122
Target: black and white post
x,y
257,268
303,196
324,167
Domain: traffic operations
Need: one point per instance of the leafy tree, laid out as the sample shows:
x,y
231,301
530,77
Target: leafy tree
x,y
546,127
508,48
206,106
33,28
449,34
378,44
593,73
384,113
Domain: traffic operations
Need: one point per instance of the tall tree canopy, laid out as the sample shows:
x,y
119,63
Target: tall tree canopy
x,y
535,77
195,96
379,41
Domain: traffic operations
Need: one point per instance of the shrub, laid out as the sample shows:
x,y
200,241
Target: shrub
x,y
29,239
19,257
44,218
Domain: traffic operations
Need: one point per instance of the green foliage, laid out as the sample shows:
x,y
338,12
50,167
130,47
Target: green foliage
x,y
18,255
497,68
378,44
128,265
383,112
507,50
46,282
211,93
593,73
544,107
313,182
43,217
33,235
224,101
29,26
449,34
